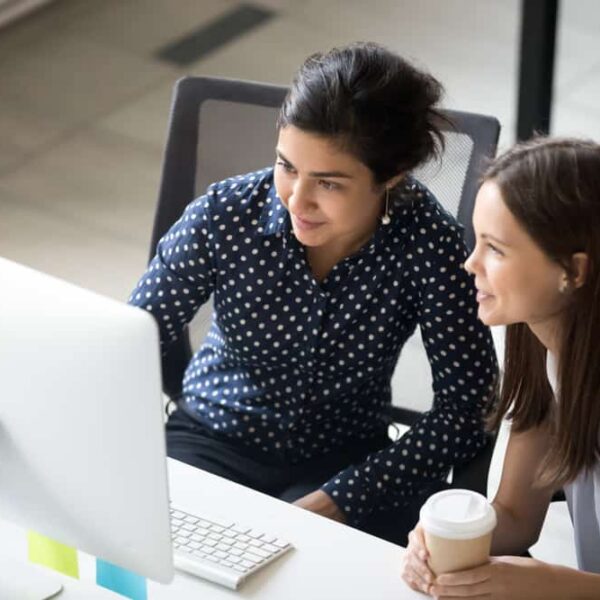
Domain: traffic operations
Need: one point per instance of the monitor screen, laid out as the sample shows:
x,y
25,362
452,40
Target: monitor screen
x,y
82,445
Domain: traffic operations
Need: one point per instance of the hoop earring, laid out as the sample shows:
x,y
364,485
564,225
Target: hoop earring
x,y
385,218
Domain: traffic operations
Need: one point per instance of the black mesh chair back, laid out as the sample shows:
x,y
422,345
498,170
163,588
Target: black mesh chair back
x,y
221,127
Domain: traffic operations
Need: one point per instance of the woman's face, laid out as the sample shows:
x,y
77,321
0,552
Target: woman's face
x,y
331,195
516,282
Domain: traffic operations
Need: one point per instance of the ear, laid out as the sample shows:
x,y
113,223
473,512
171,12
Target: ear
x,y
579,269
394,181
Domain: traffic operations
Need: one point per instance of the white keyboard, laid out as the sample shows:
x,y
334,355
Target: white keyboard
x,y
221,551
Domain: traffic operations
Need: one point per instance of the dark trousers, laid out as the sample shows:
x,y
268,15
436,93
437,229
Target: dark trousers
x,y
191,443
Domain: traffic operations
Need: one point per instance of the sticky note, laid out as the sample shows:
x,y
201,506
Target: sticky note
x,y
49,553
119,580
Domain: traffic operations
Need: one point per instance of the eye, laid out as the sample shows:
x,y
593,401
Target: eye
x,y
495,249
285,166
329,185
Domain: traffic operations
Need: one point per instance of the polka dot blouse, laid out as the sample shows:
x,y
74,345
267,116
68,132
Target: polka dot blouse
x,y
299,368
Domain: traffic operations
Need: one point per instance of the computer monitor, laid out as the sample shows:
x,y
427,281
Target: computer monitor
x,y
82,443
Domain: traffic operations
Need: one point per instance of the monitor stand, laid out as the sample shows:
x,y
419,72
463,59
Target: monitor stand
x,y
26,582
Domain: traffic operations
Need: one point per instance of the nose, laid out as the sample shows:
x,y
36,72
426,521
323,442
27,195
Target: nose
x,y
301,201
472,262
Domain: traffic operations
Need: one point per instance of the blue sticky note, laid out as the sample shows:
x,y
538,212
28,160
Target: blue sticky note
x,y
119,580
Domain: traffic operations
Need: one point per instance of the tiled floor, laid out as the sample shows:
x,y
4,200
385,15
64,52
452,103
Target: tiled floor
x,y
84,104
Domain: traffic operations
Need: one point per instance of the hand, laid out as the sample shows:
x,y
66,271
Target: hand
x,y
415,571
503,578
321,503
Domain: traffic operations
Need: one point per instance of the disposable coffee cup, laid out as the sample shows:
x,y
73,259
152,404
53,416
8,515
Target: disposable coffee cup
x,y
458,527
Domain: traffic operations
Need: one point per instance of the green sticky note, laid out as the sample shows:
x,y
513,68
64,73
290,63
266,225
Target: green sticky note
x,y
45,551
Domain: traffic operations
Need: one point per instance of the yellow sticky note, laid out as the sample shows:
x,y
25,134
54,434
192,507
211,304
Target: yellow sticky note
x,y
45,551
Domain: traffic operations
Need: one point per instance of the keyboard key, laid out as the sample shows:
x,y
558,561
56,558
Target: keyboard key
x,y
228,540
280,543
247,563
268,539
243,538
251,557
260,552
240,529
190,519
220,554
270,548
204,523
255,534
222,522
256,543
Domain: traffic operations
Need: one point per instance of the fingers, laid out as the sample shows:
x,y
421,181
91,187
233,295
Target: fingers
x,y
416,573
478,597
416,543
415,577
417,549
439,593
468,577
471,584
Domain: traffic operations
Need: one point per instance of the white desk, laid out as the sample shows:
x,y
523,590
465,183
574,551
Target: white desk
x,y
329,561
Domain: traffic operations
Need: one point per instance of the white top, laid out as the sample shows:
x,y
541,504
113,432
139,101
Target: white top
x,y
583,499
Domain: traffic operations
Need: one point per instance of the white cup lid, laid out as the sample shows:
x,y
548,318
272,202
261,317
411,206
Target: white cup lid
x,y
458,515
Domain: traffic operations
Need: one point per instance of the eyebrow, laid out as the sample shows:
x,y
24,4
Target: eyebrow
x,y
336,174
487,236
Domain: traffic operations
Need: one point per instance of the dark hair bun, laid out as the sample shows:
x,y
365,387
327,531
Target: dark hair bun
x,y
377,105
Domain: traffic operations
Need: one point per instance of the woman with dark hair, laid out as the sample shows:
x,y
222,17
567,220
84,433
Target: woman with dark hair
x,y
320,269
537,270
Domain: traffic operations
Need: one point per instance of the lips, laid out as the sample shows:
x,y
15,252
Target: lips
x,y
306,224
482,296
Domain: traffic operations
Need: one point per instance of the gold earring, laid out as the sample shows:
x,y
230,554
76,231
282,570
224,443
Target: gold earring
x,y
385,219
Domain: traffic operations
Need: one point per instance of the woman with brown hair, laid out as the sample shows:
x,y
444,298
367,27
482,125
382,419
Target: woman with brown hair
x,y
537,269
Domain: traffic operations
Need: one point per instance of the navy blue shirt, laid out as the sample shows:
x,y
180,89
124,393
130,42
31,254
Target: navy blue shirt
x,y
298,368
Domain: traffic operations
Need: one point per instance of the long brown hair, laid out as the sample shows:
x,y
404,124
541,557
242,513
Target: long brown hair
x,y
552,188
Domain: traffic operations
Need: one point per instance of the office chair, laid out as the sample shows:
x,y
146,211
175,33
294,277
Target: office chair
x,y
221,127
